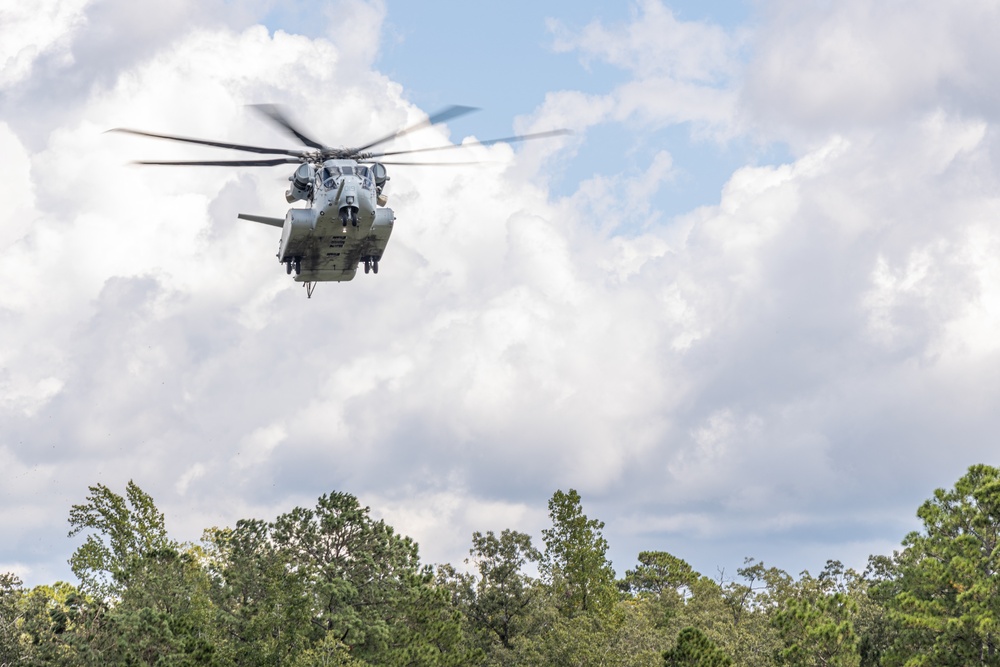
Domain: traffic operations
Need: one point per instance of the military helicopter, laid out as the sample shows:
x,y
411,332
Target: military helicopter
x,y
345,222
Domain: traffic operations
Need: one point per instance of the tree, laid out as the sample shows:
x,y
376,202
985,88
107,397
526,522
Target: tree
x,y
154,590
694,649
574,563
816,628
62,626
365,587
946,582
165,614
122,532
10,634
503,594
263,612
659,573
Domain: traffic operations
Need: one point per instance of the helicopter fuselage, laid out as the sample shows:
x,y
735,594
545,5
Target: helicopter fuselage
x,y
342,226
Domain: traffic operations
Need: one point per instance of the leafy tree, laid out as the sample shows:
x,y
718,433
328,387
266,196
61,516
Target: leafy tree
x,y
694,649
165,614
658,574
945,583
156,591
663,583
735,615
817,630
365,587
575,563
623,635
353,567
62,626
504,593
261,604
122,531
10,635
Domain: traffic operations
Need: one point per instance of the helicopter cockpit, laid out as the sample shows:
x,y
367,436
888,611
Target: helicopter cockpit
x,y
330,176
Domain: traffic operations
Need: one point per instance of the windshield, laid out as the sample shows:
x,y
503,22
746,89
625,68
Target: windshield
x,y
328,175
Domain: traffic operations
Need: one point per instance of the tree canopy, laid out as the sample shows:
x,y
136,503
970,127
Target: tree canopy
x,y
331,585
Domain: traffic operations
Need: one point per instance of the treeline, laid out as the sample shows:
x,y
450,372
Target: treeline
x,y
330,585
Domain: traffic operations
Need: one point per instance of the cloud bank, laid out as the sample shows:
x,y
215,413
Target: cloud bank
x,y
785,373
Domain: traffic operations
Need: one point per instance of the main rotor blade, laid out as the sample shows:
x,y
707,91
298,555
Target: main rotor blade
x,y
273,112
448,113
217,144
486,142
428,164
224,163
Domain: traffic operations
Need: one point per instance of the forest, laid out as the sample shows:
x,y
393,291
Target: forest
x,y
330,585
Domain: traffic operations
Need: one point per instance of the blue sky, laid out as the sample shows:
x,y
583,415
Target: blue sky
x,y
747,309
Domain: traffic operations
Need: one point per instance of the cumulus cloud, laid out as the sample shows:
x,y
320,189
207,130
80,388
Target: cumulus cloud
x,y
859,63
777,369
679,71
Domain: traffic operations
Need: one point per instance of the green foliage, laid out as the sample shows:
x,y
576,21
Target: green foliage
x,y
121,532
355,570
945,585
10,633
817,630
329,585
658,574
623,635
62,626
165,614
694,649
575,563
503,594
262,608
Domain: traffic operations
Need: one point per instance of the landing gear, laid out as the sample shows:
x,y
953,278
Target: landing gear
x,y
375,265
294,264
310,287
288,267
371,264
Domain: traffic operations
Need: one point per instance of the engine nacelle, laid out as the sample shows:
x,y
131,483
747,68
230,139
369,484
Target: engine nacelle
x,y
302,183
379,174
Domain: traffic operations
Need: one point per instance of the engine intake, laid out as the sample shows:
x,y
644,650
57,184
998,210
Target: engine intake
x,y
302,183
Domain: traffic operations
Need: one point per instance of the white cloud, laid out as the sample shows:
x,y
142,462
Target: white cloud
x,y
29,31
681,71
654,43
866,63
799,345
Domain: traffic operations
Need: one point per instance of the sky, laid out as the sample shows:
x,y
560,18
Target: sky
x,y
748,308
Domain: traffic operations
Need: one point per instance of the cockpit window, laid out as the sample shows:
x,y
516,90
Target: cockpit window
x,y
363,171
329,176
348,171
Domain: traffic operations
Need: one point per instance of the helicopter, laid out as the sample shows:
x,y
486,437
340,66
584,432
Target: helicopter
x,y
345,222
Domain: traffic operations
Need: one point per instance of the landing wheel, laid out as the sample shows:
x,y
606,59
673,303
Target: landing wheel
x,y
298,265
368,265
354,217
288,267
375,266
